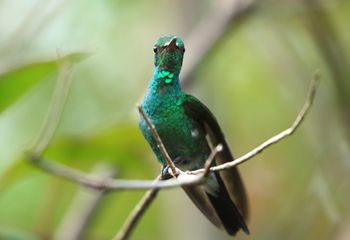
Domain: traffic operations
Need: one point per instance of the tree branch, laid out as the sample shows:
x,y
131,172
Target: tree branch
x,y
99,182
135,216
275,139
56,107
151,194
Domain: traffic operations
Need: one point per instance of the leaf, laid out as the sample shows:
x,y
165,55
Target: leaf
x,y
121,146
16,81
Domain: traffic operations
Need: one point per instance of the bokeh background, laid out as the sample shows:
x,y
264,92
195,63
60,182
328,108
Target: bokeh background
x,y
254,79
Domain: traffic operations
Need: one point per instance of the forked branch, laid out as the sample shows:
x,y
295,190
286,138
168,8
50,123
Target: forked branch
x,y
275,139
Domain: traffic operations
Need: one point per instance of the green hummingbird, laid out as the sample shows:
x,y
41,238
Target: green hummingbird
x,y
188,131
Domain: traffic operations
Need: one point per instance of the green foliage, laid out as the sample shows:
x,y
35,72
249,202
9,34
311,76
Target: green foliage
x,y
16,81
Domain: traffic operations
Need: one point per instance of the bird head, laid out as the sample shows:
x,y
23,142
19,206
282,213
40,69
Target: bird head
x,y
168,54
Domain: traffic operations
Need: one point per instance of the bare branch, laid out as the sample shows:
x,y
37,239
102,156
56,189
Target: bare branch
x,y
104,183
150,195
276,138
158,140
135,216
55,110
108,184
210,159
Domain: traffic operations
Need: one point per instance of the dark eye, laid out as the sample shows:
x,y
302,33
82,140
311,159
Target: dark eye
x,y
183,50
155,49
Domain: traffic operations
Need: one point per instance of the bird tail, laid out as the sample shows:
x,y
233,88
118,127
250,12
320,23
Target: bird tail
x,y
226,209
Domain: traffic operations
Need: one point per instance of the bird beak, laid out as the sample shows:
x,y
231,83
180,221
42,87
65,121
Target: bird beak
x,y
172,45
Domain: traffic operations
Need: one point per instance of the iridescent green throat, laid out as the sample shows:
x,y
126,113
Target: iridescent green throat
x,y
164,82
164,75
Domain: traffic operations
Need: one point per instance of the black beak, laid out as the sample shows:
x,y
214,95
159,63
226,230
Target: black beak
x,y
172,45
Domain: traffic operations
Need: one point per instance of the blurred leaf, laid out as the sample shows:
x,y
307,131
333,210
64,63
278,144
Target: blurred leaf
x,y
121,145
18,170
17,80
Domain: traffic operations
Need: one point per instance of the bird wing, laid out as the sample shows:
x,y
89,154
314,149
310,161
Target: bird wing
x,y
228,179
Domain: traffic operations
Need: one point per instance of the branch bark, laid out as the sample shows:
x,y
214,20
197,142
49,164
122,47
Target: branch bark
x,y
56,107
138,211
275,139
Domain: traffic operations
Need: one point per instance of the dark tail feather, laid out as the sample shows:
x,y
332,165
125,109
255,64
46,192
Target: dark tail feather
x,y
227,211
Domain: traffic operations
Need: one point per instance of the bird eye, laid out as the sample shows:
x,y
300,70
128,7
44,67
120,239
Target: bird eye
x,y
183,50
155,49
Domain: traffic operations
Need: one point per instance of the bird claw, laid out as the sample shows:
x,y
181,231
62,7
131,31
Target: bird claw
x,y
166,173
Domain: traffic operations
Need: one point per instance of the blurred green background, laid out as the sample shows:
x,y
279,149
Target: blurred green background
x,y
255,81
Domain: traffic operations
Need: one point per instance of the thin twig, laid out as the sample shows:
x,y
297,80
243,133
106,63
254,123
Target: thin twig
x,y
109,184
276,138
159,141
135,216
150,195
55,110
330,46
211,158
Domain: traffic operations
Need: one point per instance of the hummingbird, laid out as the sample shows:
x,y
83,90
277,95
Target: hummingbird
x,y
189,131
